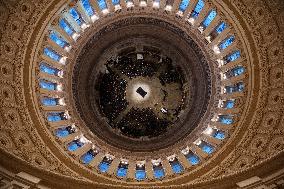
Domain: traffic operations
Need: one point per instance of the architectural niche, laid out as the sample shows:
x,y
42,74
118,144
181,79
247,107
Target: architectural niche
x,y
250,155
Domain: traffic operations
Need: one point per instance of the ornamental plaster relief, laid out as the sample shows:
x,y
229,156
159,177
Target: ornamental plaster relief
x,y
267,40
21,19
26,144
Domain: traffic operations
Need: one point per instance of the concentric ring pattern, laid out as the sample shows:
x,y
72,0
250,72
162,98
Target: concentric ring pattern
x,y
227,58
231,53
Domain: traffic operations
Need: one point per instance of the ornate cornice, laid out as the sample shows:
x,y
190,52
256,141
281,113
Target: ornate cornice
x,y
257,141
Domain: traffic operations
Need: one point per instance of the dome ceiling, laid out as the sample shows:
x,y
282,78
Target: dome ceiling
x,y
111,94
134,35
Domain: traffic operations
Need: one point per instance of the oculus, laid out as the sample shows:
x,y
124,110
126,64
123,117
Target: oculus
x,y
141,94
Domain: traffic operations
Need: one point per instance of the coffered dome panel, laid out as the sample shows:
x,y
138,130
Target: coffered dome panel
x,y
141,94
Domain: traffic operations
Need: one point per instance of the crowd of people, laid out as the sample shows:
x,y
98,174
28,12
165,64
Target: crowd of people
x,y
142,122
112,89
112,95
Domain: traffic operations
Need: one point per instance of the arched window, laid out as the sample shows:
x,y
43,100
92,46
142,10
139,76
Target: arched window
x,y
213,132
76,16
238,87
57,39
52,54
56,116
74,145
122,169
219,134
158,169
227,42
140,173
105,163
228,104
206,147
192,158
65,131
183,5
48,85
115,2
234,72
232,57
199,6
102,4
176,166
88,7
218,29
89,156
49,69
66,27
49,101
221,27
212,14
225,119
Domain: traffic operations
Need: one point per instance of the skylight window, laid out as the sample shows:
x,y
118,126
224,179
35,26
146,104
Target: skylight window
x,y
66,27
183,5
227,42
58,40
88,7
210,17
89,156
104,165
74,145
199,6
122,169
140,173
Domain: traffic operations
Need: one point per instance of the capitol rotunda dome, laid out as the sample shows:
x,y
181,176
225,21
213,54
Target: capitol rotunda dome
x,y
141,94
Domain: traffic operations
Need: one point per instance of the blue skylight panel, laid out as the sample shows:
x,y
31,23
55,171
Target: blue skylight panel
x,y
87,7
103,166
183,5
53,117
73,146
225,119
62,132
229,104
176,167
193,159
209,18
76,16
47,85
102,4
159,173
234,56
48,69
238,70
140,174
52,54
121,172
207,148
221,27
58,40
219,135
88,157
115,2
199,6
65,26
227,42
49,101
